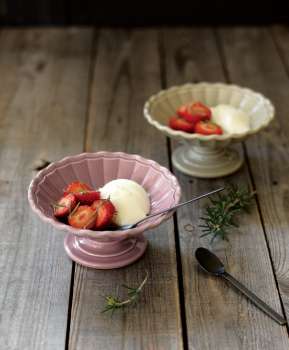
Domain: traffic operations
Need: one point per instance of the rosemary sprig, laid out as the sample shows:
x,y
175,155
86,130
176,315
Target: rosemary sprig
x,y
113,303
221,214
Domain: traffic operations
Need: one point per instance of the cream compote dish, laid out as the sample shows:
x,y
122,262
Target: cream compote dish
x,y
130,200
203,155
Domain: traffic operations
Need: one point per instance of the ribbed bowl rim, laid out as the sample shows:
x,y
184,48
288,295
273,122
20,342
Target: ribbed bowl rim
x,y
224,137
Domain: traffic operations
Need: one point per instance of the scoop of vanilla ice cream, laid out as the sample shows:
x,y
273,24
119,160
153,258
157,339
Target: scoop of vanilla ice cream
x,y
231,119
131,201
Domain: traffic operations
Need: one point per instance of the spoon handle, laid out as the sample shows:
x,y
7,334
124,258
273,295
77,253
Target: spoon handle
x,y
180,205
257,301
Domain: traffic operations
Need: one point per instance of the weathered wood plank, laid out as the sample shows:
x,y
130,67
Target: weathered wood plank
x,y
217,317
43,95
268,152
126,73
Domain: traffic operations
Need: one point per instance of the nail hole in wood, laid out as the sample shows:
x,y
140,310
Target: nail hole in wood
x,y
40,66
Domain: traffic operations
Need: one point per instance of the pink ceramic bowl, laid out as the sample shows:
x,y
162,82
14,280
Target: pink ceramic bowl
x,y
104,249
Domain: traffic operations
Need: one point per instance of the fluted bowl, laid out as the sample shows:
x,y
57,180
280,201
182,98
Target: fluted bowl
x,y
96,169
160,107
104,249
207,155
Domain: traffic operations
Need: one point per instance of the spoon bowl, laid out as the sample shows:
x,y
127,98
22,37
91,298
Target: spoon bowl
x,y
209,261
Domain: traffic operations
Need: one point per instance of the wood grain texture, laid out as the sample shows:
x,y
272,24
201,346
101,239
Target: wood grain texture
x,y
127,71
43,93
264,71
217,317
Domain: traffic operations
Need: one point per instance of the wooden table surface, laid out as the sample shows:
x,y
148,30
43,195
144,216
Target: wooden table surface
x,y
68,90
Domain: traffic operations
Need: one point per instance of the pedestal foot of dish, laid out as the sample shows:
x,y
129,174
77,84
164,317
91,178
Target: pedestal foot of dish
x,y
206,161
104,255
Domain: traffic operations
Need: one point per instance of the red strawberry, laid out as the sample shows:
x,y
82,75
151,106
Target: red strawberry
x,y
181,124
82,192
87,197
105,211
65,205
77,186
208,128
194,112
182,111
82,217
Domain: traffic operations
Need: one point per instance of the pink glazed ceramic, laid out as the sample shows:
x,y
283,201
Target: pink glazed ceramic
x,y
104,249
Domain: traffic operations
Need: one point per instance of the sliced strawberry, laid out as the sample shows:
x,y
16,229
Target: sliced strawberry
x,y
77,186
87,197
105,211
201,110
65,205
82,217
183,111
208,128
194,112
181,124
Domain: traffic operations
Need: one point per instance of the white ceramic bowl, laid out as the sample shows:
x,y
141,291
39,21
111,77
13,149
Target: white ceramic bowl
x,y
201,155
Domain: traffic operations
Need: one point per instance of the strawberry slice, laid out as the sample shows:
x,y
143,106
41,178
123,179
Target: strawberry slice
x,y
208,128
82,192
105,211
65,205
87,197
177,123
194,112
183,111
82,217
77,186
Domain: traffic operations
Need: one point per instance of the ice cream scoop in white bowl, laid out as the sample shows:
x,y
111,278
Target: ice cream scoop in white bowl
x,y
201,155
232,120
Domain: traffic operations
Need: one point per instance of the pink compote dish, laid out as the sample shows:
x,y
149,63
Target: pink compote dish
x,y
108,248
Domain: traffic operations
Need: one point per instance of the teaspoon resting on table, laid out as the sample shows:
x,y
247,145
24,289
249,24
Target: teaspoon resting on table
x,y
130,226
212,264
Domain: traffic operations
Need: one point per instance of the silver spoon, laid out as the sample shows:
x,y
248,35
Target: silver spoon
x,y
127,227
212,264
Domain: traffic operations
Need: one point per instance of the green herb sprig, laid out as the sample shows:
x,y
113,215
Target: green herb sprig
x,y
221,214
113,303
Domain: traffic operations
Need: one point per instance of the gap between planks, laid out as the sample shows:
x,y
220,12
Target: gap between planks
x,y
86,119
175,217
